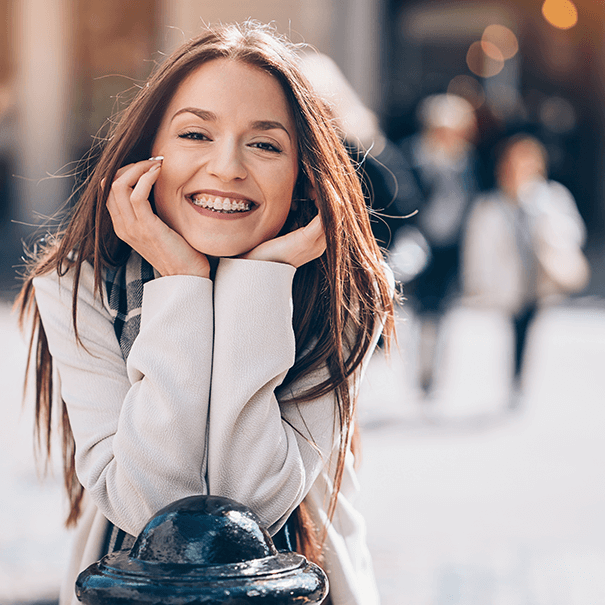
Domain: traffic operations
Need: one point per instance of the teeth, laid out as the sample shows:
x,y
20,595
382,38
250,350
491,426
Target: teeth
x,y
221,204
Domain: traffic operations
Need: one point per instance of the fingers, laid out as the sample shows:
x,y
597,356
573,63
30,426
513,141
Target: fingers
x,y
119,173
128,200
127,177
122,170
314,231
296,248
142,190
316,235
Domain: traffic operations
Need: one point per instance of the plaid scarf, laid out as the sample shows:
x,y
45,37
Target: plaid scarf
x,y
124,287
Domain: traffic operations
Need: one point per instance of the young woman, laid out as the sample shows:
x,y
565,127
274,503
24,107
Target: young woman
x,y
209,311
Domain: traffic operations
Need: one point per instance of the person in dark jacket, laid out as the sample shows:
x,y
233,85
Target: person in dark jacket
x,y
443,161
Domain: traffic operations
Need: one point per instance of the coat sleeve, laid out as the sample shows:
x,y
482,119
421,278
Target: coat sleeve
x,y
491,266
139,427
262,452
557,219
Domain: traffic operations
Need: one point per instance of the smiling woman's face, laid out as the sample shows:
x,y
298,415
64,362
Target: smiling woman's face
x,y
230,158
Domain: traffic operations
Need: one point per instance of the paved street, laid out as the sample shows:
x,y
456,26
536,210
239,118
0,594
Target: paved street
x,y
466,501
33,547
485,506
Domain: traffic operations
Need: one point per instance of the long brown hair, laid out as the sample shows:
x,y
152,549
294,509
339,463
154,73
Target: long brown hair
x,y
339,299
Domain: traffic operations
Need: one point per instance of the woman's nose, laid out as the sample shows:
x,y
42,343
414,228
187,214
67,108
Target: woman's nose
x,y
226,162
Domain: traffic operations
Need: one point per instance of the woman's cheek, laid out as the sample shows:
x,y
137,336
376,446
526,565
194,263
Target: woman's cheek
x,y
160,204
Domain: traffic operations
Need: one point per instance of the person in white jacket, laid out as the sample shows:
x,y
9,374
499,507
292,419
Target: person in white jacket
x,y
209,311
523,241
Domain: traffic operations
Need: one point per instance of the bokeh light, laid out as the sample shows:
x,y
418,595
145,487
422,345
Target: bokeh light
x,y
468,88
503,38
562,14
505,100
484,59
492,51
558,115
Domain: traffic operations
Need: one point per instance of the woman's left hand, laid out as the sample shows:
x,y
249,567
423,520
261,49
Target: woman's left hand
x,y
296,248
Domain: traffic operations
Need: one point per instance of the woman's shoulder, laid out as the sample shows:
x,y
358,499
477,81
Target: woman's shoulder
x,y
57,286
66,276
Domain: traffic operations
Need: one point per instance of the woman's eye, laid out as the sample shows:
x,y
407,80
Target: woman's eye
x,y
263,145
193,136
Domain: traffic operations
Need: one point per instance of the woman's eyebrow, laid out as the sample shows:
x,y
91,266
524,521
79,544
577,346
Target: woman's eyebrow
x,y
200,113
269,125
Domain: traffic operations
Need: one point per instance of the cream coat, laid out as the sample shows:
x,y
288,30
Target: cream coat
x,y
152,430
493,273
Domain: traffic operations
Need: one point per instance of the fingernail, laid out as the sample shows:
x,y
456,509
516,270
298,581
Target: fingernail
x,y
157,158
155,167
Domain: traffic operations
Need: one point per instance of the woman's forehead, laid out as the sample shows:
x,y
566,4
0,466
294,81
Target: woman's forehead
x,y
227,84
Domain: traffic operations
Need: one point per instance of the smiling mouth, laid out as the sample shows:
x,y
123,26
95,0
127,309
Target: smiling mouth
x,y
224,205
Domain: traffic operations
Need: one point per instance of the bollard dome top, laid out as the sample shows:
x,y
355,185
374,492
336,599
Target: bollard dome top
x,y
205,532
202,550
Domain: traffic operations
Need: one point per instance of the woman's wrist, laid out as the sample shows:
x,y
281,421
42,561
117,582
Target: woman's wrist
x,y
177,258
169,270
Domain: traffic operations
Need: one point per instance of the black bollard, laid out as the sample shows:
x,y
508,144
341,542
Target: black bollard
x,y
203,550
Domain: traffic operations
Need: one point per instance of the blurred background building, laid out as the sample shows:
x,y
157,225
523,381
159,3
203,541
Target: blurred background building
x,y
66,65
529,65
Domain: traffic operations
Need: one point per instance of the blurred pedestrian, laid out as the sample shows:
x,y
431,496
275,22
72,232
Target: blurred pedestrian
x,y
209,311
523,242
443,160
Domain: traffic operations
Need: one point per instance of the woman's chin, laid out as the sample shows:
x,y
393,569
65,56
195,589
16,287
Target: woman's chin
x,y
229,247
224,251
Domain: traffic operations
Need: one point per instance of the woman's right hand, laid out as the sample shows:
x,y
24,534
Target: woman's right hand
x,y
135,222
